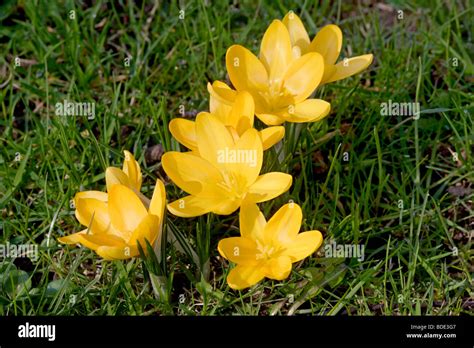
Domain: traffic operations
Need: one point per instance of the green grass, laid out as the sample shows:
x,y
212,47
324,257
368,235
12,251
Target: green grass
x,y
402,188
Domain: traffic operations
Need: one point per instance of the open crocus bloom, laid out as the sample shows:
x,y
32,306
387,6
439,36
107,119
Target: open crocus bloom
x,y
267,249
279,83
115,226
225,173
328,43
236,113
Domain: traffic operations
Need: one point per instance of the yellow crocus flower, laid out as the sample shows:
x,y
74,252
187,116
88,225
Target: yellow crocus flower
x,y
225,173
328,43
116,226
237,113
267,249
279,83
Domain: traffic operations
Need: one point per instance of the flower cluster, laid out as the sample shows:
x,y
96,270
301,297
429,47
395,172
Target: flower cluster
x,y
221,172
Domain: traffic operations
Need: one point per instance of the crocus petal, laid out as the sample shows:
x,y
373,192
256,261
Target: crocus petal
x,y
189,172
93,213
310,110
275,50
242,113
233,133
74,238
114,176
296,50
329,70
221,92
131,168
303,245
248,157
251,221
125,209
271,120
221,98
241,277
328,43
94,241
271,135
213,138
158,201
350,67
157,208
148,229
278,268
269,186
191,206
304,75
239,250
99,195
245,70
184,131
226,207
117,253
298,34
285,224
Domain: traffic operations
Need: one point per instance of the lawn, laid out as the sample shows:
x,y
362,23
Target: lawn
x,y
399,188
